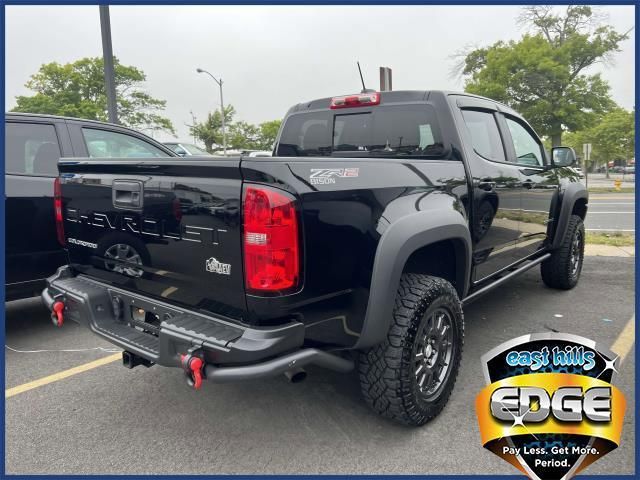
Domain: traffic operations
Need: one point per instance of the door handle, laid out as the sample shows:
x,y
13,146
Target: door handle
x,y
486,184
127,194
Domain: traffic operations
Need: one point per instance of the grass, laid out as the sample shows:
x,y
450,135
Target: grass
x,y
611,190
613,239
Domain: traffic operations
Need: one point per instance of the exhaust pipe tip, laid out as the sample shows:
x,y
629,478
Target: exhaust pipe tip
x,y
296,375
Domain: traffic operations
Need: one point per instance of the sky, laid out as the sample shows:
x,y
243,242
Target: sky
x,y
272,57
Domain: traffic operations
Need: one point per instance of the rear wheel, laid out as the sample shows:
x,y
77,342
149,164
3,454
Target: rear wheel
x,y
409,377
562,269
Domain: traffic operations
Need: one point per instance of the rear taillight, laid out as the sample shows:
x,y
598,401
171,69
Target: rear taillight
x,y
271,240
359,100
57,208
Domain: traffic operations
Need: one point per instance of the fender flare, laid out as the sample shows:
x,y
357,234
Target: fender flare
x,y
572,193
397,243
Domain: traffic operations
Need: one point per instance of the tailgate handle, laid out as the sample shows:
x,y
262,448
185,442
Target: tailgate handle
x,y
127,194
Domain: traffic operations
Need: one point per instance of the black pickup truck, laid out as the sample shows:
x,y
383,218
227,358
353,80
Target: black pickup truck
x,y
354,246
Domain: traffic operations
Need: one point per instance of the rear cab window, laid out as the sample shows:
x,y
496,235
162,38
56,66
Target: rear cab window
x,y
393,131
31,149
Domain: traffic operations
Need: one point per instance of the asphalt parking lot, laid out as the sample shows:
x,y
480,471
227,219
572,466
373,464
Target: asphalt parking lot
x,y
113,420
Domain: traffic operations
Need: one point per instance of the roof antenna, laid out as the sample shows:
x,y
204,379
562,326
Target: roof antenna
x,y
364,89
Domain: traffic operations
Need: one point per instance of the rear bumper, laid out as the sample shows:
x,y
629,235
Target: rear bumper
x,y
230,351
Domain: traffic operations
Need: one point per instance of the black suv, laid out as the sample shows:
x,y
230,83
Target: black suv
x,y
33,146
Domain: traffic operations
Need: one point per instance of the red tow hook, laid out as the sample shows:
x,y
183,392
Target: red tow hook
x,y
56,313
193,370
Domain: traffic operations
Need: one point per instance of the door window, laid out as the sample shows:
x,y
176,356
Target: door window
x,y
31,148
485,135
108,144
528,150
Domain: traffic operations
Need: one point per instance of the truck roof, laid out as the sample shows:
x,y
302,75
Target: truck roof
x,y
398,96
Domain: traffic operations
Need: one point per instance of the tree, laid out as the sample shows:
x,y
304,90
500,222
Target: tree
x,y
615,135
613,138
210,131
246,136
543,74
268,133
77,90
243,136
240,135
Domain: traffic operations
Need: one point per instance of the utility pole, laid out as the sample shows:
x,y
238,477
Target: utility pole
x,y
107,54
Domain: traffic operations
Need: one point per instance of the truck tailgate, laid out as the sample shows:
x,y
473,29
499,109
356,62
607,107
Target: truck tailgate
x,y
169,228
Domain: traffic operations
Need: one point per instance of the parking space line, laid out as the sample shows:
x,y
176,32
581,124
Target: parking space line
x,y
25,387
624,342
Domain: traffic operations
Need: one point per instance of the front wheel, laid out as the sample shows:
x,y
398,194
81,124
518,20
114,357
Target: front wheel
x,y
409,377
562,269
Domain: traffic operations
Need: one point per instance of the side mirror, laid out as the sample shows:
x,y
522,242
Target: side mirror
x,y
563,156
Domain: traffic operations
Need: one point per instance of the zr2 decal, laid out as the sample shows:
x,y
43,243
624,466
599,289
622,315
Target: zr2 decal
x,y
326,176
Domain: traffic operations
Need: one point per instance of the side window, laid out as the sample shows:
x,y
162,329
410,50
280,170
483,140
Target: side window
x,y
485,135
108,144
528,150
31,148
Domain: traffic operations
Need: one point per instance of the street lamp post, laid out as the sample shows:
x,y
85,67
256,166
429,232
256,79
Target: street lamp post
x,y
224,131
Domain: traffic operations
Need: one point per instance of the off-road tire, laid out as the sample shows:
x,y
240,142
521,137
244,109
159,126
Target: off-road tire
x,y
387,371
559,271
